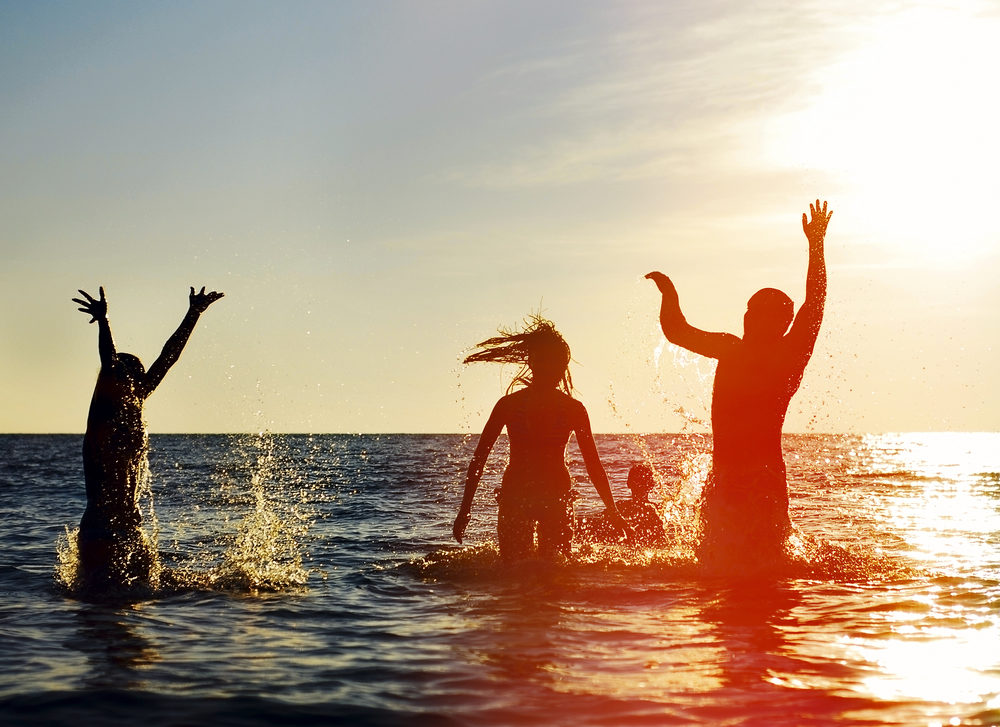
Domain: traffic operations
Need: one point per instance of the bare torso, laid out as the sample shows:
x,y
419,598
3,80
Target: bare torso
x,y
113,450
753,386
539,421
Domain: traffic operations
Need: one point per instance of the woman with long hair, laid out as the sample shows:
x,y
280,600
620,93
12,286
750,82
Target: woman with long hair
x,y
539,413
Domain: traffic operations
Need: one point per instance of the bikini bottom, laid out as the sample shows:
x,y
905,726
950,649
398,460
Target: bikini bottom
x,y
519,515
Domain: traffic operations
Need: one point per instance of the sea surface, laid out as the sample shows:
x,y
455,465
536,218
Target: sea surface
x,y
320,585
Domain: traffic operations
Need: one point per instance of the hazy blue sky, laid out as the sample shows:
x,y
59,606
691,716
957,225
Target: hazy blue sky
x,y
376,186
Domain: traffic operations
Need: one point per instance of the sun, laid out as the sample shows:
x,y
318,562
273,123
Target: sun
x,y
908,125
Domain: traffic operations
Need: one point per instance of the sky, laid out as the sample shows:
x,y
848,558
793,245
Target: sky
x,y
376,187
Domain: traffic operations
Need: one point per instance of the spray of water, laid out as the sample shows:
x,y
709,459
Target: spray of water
x,y
144,550
259,546
68,559
150,531
265,553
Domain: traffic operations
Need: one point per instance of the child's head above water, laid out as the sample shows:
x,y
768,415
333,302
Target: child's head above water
x,y
539,349
641,480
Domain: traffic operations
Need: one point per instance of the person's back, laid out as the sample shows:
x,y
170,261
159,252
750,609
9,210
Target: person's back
x,y
113,447
645,520
539,423
112,549
754,383
745,500
536,492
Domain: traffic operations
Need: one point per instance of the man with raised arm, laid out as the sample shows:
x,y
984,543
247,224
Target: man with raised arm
x,y
112,548
744,505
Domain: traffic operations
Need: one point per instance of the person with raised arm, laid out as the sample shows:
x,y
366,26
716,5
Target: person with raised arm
x,y
744,506
111,546
536,491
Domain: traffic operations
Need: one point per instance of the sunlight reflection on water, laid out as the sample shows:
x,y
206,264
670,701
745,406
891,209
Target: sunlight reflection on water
x,y
900,626
941,645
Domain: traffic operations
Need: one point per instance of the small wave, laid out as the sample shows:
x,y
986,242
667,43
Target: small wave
x,y
894,475
673,554
803,557
119,706
818,559
458,563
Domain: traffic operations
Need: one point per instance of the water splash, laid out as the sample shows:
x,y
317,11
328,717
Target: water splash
x,y
250,541
150,528
804,557
68,560
68,573
265,554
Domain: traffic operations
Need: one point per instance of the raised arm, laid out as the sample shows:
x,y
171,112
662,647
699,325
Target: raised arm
x,y
198,303
805,329
494,425
595,470
97,309
679,331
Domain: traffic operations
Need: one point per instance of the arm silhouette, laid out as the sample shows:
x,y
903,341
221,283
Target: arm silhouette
x,y
198,303
97,309
805,329
595,470
494,425
679,331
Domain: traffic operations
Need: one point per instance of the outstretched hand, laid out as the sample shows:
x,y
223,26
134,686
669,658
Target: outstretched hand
x,y
815,228
200,301
97,309
664,283
666,287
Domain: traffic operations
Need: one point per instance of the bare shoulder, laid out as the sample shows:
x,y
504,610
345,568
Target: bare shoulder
x,y
518,401
575,408
797,349
505,404
729,344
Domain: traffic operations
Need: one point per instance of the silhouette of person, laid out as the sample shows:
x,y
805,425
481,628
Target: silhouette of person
x,y
638,511
111,546
536,489
744,505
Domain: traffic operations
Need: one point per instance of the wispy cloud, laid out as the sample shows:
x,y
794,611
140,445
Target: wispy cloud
x,y
660,95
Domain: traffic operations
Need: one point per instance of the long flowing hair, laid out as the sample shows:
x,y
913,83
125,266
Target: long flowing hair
x,y
537,348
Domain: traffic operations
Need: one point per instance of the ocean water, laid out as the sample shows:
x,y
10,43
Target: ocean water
x,y
322,587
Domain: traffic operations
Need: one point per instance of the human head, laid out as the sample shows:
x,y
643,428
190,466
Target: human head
x,y
548,356
539,349
769,313
128,368
123,377
641,480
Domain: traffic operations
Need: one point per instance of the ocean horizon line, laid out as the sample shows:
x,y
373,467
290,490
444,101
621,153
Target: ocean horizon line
x,y
705,433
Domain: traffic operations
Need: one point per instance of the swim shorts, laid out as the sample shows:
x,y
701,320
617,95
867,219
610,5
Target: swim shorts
x,y
744,514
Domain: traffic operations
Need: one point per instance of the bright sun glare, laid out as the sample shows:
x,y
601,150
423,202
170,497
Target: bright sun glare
x,y
907,122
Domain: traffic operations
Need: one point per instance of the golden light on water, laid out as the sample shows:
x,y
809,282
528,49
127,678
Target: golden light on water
x,y
944,502
949,668
942,644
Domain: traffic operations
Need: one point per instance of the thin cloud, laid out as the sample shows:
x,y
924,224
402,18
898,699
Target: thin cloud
x,y
647,101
